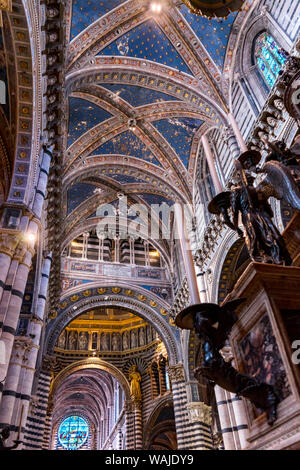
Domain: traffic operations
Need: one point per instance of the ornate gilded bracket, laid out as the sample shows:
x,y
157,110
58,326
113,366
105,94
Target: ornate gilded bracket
x,y
5,5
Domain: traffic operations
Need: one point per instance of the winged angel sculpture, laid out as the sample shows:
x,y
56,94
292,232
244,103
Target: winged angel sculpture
x,y
281,173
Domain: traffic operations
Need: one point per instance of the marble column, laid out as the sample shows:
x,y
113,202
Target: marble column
x,y
187,254
10,390
224,417
35,330
138,425
129,425
191,435
10,306
131,250
201,284
147,258
241,420
211,164
120,438
237,132
9,240
37,433
117,250
41,187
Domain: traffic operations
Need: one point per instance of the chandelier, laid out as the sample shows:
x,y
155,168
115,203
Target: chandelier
x,y
214,8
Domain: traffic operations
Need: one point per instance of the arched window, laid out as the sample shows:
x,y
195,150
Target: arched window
x,y
268,58
73,432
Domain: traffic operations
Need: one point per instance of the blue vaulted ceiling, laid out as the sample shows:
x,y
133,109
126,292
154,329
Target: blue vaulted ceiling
x,y
85,13
213,33
137,95
127,143
83,116
155,199
147,41
123,179
78,193
179,132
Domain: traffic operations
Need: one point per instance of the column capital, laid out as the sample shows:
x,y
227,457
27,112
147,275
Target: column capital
x,y
176,373
20,252
49,363
136,403
128,406
199,412
21,348
9,240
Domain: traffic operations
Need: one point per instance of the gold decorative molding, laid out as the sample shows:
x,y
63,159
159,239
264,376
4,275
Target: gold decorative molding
x,y
5,5
199,412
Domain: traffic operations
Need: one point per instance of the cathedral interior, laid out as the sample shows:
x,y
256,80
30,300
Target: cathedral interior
x,y
149,225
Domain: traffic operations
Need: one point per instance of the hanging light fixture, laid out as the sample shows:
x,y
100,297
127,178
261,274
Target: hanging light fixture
x,y
214,8
156,7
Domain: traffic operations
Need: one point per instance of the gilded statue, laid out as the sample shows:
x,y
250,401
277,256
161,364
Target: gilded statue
x,y
135,380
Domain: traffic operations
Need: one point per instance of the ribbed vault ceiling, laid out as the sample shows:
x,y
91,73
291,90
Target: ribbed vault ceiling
x,y
141,89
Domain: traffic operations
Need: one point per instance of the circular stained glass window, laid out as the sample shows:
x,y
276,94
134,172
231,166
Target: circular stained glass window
x,y
73,432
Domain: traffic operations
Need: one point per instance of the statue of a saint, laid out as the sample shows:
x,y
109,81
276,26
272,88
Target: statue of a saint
x,y
125,341
115,342
72,340
142,337
104,342
82,341
133,340
62,340
135,379
212,325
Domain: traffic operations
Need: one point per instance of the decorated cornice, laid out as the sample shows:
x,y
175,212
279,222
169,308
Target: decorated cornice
x,y
22,93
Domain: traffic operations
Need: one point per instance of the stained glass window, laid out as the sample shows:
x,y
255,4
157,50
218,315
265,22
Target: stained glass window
x,y
268,58
73,432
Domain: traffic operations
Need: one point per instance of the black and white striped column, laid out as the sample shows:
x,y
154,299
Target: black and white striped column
x,y
129,425
233,419
191,435
37,418
11,302
138,425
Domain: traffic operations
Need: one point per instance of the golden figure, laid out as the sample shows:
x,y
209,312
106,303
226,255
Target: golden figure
x,y
135,379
